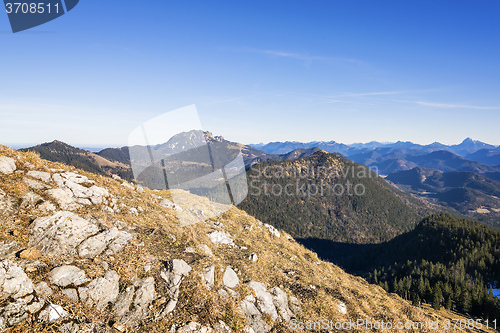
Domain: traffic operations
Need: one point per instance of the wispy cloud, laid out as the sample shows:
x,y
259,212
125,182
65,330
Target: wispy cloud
x,y
305,57
455,106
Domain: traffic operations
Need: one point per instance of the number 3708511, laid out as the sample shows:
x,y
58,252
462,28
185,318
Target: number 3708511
x,y
31,8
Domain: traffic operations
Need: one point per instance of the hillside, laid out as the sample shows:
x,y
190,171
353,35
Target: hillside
x,y
89,253
288,195
487,156
472,194
446,260
61,152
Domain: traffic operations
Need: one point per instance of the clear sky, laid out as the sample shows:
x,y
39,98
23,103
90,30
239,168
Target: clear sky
x,y
257,70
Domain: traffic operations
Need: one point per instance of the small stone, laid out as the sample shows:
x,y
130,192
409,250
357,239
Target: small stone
x,y
43,290
30,253
206,250
128,186
221,238
71,294
230,278
117,326
7,165
67,275
190,250
133,212
253,257
52,313
43,176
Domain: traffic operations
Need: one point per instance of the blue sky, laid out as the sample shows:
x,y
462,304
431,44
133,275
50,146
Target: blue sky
x,y
258,71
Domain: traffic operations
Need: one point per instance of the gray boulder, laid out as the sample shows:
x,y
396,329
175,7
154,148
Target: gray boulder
x,y
101,291
7,165
64,276
30,200
60,234
294,305
71,294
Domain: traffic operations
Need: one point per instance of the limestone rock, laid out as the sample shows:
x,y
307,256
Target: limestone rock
x,y
60,234
206,250
194,327
253,315
64,276
14,283
123,302
342,308
7,204
280,300
209,276
221,238
30,200
144,296
272,230
52,313
294,305
69,328
40,175
101,291
71,294
35,184
265,300
112,239
9,249
222,327
43,290
169,204
230,278
63,199
128,186
7,165
173,274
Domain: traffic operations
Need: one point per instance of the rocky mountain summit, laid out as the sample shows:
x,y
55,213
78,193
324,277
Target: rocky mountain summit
x,y
90,253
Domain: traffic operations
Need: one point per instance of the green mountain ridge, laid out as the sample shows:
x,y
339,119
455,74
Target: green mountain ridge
x,y
379,214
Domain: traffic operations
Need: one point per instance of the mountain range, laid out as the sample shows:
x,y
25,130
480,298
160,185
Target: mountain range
x,y
466,147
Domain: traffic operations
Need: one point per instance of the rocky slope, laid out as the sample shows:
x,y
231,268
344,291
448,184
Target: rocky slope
x,y
87,253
